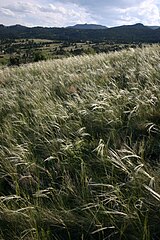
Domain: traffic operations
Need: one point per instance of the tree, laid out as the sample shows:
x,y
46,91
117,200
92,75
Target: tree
x,y
39,56
14,61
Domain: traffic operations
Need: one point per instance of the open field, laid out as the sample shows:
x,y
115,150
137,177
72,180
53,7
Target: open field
x,y
20,51
80,148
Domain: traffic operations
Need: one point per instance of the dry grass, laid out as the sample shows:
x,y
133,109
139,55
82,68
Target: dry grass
x,y
80,148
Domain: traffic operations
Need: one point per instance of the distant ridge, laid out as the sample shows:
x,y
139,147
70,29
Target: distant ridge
x,y
138,26
87,26
136,33
154,27
134,26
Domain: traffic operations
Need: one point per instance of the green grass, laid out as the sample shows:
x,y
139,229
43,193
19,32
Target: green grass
x,y
80,148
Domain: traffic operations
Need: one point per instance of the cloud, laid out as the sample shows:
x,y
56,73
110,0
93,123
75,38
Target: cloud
x,y
22,7
116,12
100,4
63,14
68,12
7,12
147,12
57,14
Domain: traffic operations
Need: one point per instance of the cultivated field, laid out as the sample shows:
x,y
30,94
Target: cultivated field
x,y
80,148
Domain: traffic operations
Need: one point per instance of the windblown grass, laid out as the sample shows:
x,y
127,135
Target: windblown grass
x,y
80,148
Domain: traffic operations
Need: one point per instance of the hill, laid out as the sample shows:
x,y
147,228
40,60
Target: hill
x,y
136,33
87,26
80,148
154,27
134,26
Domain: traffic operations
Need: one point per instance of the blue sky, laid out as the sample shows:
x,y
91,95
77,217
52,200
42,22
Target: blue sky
x,y
61,13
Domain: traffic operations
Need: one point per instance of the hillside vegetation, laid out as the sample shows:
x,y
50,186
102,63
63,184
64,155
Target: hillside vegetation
x,y
80,148
136,33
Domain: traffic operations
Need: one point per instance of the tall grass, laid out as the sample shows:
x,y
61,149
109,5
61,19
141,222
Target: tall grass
x,y
80,148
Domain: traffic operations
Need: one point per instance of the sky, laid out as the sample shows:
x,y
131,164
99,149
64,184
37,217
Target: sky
x,y
62,13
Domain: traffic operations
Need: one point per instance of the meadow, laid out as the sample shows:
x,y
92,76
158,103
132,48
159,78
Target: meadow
x,y
21,51
80,148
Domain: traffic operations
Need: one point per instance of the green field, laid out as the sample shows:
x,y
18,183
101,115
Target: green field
x,y
22,51
80,148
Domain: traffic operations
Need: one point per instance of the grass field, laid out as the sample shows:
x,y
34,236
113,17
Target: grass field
x,y
80,148
24,51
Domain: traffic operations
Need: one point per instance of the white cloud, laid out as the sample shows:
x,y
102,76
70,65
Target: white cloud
x,y
57,14
144,11
22,7
62,14
7,12
147,12
68,12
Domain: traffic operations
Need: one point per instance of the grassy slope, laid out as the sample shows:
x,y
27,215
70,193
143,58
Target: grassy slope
x,y
80,148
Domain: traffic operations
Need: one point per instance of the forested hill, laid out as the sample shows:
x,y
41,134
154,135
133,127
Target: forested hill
x,y
137,33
